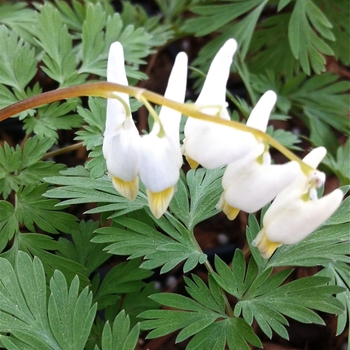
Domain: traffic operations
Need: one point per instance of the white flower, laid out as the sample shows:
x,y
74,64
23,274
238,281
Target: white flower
x,y
121,144
296,212
161,157
251,182
209,144
156,157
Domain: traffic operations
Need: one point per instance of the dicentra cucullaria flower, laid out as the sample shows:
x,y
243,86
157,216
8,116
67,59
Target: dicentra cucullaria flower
x,y
296,211
209,144
161,157
252,181
121,144
155,157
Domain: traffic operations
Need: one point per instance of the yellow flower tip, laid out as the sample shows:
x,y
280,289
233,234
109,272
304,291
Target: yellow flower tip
x,y
265,246
230,212
192,163
128,189
159,201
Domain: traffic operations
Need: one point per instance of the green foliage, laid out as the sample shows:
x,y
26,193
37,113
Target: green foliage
x,y
285,138
134,303
80,248
30,320
306,46
158,249
126,277
53,37
339,274
77,184
339,164
56,270
203,316
18,18
92,135
203,187
119,335
18,65
327,246
338,14
321,102
24,166
8,223
32,208
51,118
305,18
47,249
262,297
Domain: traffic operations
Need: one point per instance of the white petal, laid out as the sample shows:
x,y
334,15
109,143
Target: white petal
x,y
160,162
260,114
116,74
218,145
175,91
122,152
249,186
315,157
214,88
292,223
213,92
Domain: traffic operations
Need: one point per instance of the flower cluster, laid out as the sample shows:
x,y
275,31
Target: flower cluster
x,y
250,180
156,157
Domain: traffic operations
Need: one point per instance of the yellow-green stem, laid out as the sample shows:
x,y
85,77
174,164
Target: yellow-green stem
x,y
155,116
110,90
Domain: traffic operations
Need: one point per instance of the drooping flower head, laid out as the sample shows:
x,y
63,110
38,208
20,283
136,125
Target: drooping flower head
x,y
209,144
121,144
161,157
155,157
252,181
297,212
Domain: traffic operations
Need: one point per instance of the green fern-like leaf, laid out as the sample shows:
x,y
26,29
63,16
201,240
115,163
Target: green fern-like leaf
x,y
305,44
63,322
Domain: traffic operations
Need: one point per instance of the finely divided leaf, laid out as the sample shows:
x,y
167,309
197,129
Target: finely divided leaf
x,y
118,335
27,317
32,208
57,43
268,302
18,64
305,44
24,166
51,118
80,248
205,190
213,16
8,223
70,313
203,318
46,249
126,277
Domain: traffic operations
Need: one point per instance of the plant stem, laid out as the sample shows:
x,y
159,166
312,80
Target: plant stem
x,y
63,150
110,90
228,308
